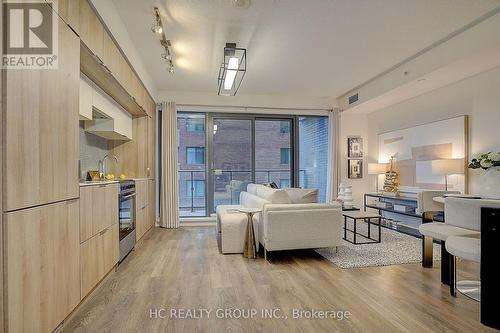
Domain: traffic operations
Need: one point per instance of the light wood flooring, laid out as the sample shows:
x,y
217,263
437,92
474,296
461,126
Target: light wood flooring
x,y
184,269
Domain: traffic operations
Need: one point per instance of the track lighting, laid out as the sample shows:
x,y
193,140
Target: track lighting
x,y
157,28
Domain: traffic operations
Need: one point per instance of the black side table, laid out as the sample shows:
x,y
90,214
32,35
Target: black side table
x,y
366,217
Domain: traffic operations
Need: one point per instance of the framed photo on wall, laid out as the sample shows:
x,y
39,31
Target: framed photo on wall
x,y
354,169
355,147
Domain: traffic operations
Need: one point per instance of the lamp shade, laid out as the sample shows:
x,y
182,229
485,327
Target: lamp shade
x,y
452,166
377,168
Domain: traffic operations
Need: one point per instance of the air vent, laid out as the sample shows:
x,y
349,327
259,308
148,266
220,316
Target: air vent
x,y
353,99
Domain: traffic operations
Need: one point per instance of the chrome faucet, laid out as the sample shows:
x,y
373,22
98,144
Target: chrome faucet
x,y
101,163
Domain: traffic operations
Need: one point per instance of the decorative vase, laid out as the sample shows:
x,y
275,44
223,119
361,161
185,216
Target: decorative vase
x,y
489,183
340,195
348,201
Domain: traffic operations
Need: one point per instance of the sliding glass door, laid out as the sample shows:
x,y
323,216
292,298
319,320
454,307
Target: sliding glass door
x,y
247,149
231,159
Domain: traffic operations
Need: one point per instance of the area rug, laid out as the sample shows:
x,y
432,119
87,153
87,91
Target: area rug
x,y
395,248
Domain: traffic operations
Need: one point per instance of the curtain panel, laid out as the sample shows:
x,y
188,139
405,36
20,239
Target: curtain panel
x,y
333,155
169,190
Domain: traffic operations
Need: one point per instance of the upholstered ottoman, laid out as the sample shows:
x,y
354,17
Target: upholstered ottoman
x,y
233,227
222,209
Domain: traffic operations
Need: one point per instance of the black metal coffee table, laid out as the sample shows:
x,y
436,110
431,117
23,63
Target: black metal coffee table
x,y
367,218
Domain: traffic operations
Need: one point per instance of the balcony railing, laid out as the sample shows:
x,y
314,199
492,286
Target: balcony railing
x,y
188,200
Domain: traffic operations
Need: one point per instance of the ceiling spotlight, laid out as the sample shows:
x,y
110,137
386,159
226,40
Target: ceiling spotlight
x,y
232,70
166,56
157,29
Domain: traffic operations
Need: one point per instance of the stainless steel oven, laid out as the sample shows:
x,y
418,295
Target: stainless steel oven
x,y
126,210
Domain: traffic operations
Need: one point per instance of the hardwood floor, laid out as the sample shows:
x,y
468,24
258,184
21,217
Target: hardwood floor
x,y
173,269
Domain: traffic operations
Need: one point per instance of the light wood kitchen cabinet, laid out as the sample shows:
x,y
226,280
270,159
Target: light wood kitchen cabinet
x,y
141,218
98,209
111,56
132,155
112,191
85,213
99,215
99,255
69,11
91,29
141,190
141,208
41,149
151,203
151,147
42,278
85,109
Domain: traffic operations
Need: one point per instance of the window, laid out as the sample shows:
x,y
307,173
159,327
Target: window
x,y
195,188
195,155
195,125
284,127
285,155
313,153
284,183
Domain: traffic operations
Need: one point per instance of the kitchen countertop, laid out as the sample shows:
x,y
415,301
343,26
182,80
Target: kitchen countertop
x,y
97,182
104,182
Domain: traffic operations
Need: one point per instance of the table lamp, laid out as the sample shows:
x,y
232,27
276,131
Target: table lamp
x,y
377,169
447,167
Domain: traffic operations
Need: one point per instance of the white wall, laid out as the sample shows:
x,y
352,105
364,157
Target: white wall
x,y
246,100
355,124
478,97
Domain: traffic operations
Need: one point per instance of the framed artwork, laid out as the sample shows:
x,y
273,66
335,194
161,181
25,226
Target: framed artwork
x,y
416,147
355,147
355,169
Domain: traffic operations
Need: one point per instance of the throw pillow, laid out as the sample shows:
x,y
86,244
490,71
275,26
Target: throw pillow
x,y
301,196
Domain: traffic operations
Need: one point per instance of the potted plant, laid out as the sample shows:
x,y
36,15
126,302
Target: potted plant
x,y
490,179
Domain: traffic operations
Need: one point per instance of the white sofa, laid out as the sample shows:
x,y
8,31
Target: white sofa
x,y
290,219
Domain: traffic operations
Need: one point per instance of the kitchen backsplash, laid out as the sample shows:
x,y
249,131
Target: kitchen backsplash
x,y
92,149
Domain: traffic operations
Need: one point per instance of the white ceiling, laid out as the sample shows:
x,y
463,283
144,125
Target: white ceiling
x,y
314,48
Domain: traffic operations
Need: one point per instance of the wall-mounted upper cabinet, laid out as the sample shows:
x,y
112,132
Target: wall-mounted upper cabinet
x,y
111,56
85,98
101,59
69,11
91,29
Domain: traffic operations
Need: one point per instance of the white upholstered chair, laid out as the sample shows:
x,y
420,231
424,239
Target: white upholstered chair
x,y
466,213
454,225
467,248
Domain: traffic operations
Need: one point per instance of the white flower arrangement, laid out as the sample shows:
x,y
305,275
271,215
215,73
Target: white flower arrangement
x,y
485,161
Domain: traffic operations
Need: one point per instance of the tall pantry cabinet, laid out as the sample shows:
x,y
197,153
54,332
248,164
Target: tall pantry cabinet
x,y
40,205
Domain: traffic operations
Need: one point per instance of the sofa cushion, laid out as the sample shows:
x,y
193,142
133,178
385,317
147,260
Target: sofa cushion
x,y
252,188
252,201
273,195
298,195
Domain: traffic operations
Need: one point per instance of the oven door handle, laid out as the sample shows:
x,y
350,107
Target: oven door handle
x,y
128,196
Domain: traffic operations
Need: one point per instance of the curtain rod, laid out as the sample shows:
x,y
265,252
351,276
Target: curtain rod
x,y
253,107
